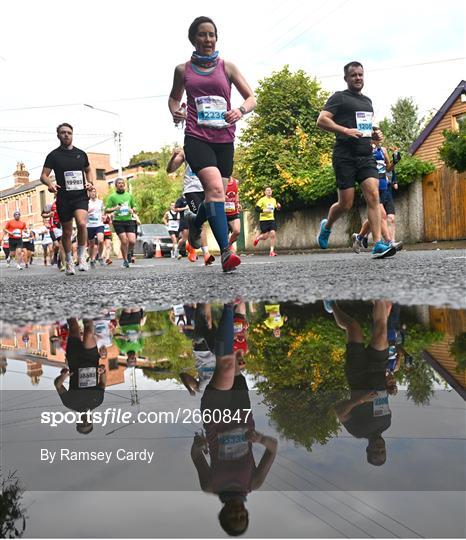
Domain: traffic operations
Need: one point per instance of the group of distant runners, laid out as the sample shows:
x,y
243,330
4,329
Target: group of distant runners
x,y
210,193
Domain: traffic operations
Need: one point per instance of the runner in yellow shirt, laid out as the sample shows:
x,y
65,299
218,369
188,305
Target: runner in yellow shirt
x,y
268,226
275,320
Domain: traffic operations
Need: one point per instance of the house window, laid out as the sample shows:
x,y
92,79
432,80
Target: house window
x,y
458,121
42,201
29,204
100,174
7,213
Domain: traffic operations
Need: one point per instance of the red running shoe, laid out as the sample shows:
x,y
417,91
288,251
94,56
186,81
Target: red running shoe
x,y
192,255
273,254
256,241
230,261
208,259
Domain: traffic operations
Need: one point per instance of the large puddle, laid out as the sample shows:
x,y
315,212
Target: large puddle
x,y
321,420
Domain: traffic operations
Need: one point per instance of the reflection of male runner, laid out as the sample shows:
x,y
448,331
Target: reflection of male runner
x,y
367,413
87,378
232,472
130,339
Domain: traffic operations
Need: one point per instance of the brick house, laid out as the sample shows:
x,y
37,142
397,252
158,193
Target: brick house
x,y
30,197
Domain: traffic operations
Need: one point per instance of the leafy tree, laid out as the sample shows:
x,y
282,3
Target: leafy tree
x,y
420,377
410,168
404,126
12,513
162,157
167,343
458,351
153,195
282,146
302,376
453,149
145,156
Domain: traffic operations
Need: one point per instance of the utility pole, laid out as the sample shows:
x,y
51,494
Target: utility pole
x,y
117,136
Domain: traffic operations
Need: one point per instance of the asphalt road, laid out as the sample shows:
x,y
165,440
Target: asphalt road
x,y
42,294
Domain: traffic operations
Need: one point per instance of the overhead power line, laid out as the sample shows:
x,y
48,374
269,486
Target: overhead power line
x,y
137,98
38,166
401,66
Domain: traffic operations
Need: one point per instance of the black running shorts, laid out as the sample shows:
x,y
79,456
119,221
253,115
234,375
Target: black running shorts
x,y
201,154
66,208
268,225
15,243
386,198
194,199
125,226
92,232
349,170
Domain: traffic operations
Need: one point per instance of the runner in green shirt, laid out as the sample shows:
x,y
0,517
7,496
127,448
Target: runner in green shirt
x,y
121,204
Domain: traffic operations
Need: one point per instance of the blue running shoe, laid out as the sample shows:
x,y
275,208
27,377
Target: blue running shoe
x,y
324,234
328,305
382,250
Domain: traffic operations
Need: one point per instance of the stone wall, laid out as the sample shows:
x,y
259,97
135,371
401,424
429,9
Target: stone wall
x,y
298,230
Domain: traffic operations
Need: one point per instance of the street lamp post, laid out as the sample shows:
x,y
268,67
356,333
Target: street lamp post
x,y
117,135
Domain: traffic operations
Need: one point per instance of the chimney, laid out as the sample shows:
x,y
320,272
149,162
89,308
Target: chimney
x,y
21,175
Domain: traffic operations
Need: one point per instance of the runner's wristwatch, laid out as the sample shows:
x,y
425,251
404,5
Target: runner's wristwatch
x,y
243,110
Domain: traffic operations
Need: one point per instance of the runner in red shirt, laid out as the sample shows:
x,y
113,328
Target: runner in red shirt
x,y
50,213
14,230
6,248
232,210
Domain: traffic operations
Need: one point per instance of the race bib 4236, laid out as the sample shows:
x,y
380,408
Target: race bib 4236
x,y
211,111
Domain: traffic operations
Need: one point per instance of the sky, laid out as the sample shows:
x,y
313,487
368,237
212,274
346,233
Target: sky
x,y
119,56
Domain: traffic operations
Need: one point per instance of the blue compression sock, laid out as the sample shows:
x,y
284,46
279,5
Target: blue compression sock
x,y
224,336
201,215
218,222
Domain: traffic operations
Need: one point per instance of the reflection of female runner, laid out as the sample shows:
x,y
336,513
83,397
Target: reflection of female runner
x,y
210,128
232,472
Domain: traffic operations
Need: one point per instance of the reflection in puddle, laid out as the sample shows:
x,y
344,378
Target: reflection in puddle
x,y
283,397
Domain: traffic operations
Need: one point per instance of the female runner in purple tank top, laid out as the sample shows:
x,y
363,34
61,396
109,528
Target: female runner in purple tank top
x,y
210,128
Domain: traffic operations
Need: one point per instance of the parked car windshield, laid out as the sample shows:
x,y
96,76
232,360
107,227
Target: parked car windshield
x,y
154,229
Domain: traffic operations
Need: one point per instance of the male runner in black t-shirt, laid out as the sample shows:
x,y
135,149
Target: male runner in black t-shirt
x,y
73,178
366,414
349,115
88,378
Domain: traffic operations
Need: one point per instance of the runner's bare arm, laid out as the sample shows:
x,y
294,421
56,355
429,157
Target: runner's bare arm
x,y
266,461
176,94
45,179
89,177
203,468
176,160
388,163
325,121
244,89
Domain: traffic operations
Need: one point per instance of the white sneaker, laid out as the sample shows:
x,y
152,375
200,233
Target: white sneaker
x,y
19,267
83,266
69,269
